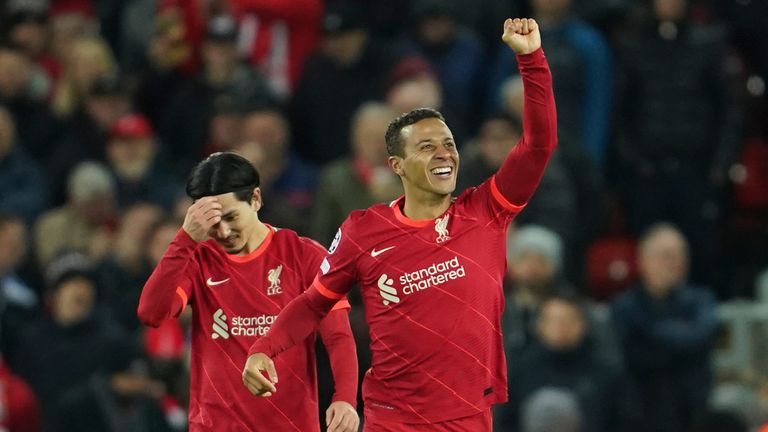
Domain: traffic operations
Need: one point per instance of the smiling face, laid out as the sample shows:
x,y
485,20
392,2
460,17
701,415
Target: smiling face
x,y
430,161
238,222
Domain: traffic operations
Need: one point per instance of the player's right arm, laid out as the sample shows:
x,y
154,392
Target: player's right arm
x,y
166,292
303,314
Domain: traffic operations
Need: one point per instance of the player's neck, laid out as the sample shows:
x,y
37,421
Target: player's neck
x,y
257,237
425,205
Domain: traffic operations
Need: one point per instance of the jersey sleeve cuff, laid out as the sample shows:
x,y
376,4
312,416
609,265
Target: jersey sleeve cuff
x,y
341,304
502,200
530,59
325,292
184,299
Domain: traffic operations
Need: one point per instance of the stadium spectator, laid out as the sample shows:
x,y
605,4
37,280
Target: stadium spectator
x,y
125,268
23,188
554,206
88,131
34,119
551,409
348,68
85,222
666,329
132,154
88,59
74,336
582,72
287,182
567,355
358,181
184,129
121,396
453,51
679,127
277,37
19,302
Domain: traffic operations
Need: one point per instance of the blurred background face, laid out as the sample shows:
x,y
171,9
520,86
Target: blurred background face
x,y
32,35
13,244
225,130
416,92
368,134
533,271
670,10
97,209
561,325
131,157
550,9
344,48
159,241
88,60
134,230
106,110
437,31
264,141
497,137
663,262
219,55
15,70
73,301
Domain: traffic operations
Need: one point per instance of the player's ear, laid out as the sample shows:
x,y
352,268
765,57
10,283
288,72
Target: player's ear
x,y
396,164
256,201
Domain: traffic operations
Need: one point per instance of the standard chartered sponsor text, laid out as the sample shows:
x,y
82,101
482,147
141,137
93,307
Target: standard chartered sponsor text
x,y
251,326
435,274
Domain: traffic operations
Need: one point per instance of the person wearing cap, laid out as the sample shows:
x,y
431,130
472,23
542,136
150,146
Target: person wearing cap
x,y
185,127
535,263
132,155
84,220
348,69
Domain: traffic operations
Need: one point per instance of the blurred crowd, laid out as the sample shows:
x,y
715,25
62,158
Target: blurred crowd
x,y
652,214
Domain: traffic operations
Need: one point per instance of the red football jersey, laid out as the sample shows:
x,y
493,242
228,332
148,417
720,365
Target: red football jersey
x,y
432,291
235,299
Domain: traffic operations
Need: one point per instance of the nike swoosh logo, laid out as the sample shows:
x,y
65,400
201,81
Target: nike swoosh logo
x,y
211,282
375,253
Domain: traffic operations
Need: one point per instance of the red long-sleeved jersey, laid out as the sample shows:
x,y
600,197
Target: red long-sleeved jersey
x,y
235,299
432,289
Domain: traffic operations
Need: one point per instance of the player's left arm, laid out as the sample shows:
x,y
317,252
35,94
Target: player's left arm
x,y
519,175
336,333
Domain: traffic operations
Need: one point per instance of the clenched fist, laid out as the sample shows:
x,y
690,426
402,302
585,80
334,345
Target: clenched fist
x,y
522,35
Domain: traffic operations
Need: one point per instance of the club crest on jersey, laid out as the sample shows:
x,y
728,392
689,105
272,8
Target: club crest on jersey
x,y
273,277
441,227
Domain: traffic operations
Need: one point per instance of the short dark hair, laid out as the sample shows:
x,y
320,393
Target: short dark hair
x,y
393,137
222,173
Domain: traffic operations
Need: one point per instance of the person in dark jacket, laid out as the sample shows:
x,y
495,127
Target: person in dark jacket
x,y
666,328
566,356
680,126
